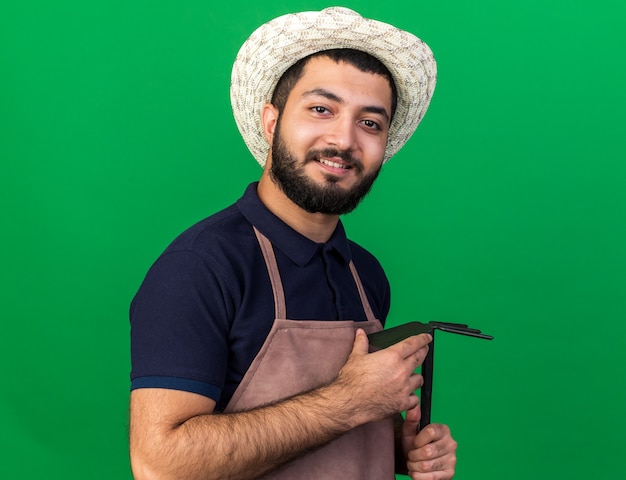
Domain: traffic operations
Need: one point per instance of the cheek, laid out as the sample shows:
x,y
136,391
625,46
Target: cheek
x,y
302,138
374,150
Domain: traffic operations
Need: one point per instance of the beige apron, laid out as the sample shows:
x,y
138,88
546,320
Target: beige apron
x,y
300,355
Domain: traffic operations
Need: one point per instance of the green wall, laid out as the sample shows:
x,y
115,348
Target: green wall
x,y
506,210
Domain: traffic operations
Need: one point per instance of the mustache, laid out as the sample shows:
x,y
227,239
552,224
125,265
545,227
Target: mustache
x,y
345,155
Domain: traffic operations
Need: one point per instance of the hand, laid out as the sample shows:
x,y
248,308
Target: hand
x,y
431,453
382,383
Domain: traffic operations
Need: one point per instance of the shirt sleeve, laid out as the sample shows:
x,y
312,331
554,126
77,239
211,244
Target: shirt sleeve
x,y
179,327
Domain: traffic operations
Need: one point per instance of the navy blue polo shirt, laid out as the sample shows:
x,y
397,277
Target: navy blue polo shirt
x,y
206,305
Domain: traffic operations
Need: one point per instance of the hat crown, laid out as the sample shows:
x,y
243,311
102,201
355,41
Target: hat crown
x,y
339,11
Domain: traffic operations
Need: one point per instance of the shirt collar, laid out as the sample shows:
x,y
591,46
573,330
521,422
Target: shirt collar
x,y
296,246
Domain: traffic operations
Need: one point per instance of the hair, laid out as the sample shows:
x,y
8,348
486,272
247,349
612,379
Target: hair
x,y
361,60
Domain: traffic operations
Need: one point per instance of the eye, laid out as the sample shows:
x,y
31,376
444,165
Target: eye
x,y
371,124
318,109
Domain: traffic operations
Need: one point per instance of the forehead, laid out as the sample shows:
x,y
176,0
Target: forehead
x,y
322,72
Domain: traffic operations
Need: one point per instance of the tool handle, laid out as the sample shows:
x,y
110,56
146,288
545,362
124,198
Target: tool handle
x,y
426,394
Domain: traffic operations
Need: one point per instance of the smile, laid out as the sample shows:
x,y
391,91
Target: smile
x,y
334,164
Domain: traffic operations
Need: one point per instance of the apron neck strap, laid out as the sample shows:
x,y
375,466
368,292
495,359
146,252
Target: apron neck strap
x,y
369,314
280,308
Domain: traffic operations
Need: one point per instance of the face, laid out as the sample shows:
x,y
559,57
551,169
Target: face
x,y
328,144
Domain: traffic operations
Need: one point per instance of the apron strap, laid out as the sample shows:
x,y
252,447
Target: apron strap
x,y
369,314
280,308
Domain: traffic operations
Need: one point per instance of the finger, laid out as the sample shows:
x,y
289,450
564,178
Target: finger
x,y
411,345
439,457
361,344
443,465
440,469
414,415
409,428
417,381
433,441
411,423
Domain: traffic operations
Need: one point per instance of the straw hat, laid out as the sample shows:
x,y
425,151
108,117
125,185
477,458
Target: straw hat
x,y
278,44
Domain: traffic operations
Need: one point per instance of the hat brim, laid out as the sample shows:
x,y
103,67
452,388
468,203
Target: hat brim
x,y
277,45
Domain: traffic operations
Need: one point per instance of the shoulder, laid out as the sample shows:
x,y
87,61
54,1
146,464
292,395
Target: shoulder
x,y
220,242
225,227
213,255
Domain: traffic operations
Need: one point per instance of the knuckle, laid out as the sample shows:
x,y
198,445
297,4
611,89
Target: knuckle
x,y
429,451
439,430
394,355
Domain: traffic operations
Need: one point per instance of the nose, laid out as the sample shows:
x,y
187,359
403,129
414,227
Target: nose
x,y
342,134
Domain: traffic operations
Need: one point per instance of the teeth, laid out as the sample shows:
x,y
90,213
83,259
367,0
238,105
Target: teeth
x,y
332,164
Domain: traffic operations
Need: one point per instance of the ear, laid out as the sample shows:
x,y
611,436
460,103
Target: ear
x,y
269,118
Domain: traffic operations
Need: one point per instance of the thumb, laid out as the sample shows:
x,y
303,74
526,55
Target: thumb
x,y
410,427
361,344
414,415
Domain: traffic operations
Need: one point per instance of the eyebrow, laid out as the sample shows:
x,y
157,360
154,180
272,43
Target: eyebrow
x,y
333,97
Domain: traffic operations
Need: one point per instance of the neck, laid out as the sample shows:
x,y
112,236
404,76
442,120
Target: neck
x,y
317,227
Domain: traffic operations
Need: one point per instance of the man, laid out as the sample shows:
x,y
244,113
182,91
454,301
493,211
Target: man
x,y
249,348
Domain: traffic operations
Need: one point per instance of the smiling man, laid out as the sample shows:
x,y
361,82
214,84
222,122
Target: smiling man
x,y
249,350
328,140
343,113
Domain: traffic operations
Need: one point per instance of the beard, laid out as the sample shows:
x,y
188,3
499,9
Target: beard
x,y
328,198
